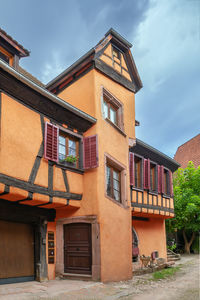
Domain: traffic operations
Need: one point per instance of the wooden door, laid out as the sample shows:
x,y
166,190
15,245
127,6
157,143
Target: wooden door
x,y
16,250
77,248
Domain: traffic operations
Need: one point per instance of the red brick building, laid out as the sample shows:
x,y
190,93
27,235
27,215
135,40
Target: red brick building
x,y
189,151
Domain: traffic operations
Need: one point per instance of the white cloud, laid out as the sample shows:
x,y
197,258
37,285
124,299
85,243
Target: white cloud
x,y
53,68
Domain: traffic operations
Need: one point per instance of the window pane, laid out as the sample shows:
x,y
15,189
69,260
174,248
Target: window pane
x,y
115,175
62,140
166,186
105,109
61,156
138,172
108,181
72,152
117,195
62,149
153,177
113,115
116,185
71,147
72,144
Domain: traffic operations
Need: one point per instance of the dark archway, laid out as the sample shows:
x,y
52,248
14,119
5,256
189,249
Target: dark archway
x,y
135,244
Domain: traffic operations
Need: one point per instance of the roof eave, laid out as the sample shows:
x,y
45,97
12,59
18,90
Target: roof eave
x,y
159,153
19,48
45,92
68,70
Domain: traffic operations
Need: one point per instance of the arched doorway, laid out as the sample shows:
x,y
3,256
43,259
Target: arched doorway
x,y
135,244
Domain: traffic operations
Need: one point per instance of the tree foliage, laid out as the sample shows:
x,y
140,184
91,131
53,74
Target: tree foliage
x,y
186,203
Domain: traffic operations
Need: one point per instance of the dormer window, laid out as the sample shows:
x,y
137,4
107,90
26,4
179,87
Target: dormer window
x,y
116,53
10,50
6,56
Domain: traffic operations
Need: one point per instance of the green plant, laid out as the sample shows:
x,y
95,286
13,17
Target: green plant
x,y
186,204
165,273
172,247
71,158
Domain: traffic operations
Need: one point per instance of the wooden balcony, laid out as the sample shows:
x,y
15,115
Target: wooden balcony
x,y
145,202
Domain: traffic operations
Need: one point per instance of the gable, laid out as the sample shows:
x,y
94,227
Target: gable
x,y
115,58
111,56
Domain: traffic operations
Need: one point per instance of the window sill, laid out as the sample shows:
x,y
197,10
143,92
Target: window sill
x,y
137,189
117,202
116,127
153,193
68,167
166,196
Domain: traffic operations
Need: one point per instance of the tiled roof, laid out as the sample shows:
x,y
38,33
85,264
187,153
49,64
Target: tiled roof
x,y
30,76
14,43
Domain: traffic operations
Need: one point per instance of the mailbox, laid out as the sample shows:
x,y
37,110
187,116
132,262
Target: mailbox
x,y
51,247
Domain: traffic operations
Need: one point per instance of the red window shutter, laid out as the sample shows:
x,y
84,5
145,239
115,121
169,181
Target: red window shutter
x,y
90,152
147,174
131,168
51,142
162,179
171,183
159,179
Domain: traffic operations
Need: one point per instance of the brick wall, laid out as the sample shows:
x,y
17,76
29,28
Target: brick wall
x,y
189,151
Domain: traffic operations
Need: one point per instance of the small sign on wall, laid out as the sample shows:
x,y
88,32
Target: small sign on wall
x,y
51,247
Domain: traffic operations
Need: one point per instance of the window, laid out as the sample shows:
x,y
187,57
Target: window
x,y
62,144
165,181
67,147
6,56
116,53
153,177
136,168
112,110
148,175
166,187
138,172
113,183
117,60
115,180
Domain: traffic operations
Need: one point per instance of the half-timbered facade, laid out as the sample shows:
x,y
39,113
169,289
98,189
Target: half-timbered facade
x,y
151,198
65,153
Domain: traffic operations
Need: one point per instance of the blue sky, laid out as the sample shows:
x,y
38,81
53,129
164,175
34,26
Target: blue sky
x,y
166,48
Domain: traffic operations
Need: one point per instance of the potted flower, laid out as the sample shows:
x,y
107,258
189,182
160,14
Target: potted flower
x,y
70,160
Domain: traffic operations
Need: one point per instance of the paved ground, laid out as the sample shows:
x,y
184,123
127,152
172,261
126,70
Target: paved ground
x,y
183,286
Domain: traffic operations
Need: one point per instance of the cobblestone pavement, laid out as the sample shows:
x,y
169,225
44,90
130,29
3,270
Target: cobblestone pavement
x,y
183,286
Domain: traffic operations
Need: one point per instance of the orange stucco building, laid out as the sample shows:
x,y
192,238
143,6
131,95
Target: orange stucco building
x,y
79,194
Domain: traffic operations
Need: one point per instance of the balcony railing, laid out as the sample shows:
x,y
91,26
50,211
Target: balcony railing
x,y
146,202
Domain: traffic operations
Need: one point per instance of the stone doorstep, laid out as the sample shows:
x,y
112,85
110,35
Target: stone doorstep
x,y
73,276
148,270
173,255
173,259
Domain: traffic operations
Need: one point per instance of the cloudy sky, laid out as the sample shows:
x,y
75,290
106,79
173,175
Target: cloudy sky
x,y
166,47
